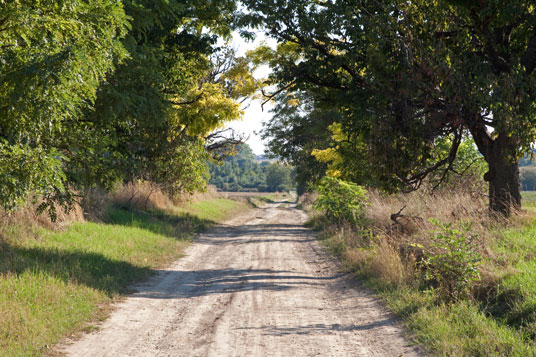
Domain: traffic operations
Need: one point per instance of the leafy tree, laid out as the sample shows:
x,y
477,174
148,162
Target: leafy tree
x,y
278,177
54,56
93,92
298,128
161,107
406,74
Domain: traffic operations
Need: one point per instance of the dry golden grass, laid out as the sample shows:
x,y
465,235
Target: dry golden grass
x,y
141,195
306,200
93,206
29,217
401,229
419,207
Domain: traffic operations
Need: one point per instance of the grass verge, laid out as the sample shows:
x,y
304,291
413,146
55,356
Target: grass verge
x,y
497,318
57,283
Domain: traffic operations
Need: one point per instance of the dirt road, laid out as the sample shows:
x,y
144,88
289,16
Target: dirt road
x,y
259,285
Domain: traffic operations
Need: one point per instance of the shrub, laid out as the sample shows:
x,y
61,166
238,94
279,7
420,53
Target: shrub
x,y
341,201
283,188
452,262
262,188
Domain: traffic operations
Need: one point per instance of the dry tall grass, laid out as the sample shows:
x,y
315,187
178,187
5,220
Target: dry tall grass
x,y
27,216
143,195
140,195
93,206
401,230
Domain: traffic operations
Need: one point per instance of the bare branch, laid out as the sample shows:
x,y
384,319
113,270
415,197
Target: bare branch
x,y
273,95
223,143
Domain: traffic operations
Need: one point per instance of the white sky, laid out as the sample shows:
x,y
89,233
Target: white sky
x,y
254,116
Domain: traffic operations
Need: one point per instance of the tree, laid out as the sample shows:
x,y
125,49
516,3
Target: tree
x,y
239,168
54,56
99,91
405,75
296,129
163,107
277,177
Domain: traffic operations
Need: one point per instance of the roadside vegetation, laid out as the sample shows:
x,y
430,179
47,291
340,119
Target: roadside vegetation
x,y
59,281
461,280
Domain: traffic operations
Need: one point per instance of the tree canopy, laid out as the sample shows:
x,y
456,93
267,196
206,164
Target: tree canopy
x,y
100,91
405,76
391,93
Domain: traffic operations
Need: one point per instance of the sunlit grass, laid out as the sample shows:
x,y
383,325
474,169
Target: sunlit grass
x,y
56,283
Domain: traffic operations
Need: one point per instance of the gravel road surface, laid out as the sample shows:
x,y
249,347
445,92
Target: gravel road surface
x,y
259,285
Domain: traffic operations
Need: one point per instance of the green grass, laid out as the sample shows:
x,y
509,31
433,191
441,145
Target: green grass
x,y
214,210
529,200
501,322
56,283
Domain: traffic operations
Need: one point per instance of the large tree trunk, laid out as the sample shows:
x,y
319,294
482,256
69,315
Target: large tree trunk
x,y
503,176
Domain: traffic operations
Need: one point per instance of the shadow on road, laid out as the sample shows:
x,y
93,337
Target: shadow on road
x,y
319,328
253,233
188,284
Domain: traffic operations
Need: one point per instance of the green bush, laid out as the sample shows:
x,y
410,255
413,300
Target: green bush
x,y
452,262
262,188
283,188
341,201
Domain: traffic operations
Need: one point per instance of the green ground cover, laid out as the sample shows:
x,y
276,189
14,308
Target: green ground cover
x,y
498,320
58,283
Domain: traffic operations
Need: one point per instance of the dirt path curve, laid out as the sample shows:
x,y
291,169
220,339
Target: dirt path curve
x,y
259,285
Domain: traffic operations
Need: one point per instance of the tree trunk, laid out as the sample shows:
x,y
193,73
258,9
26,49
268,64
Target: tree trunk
x,y
503,176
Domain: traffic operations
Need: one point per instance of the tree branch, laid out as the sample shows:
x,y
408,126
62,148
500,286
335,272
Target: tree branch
x,y
274,94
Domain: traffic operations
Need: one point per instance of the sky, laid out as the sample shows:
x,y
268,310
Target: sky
x,y
253,114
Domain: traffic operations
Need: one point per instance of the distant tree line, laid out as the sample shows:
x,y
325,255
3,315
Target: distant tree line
x,y
241,173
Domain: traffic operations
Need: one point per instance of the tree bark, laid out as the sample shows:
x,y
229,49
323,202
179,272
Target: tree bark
x,y
503,176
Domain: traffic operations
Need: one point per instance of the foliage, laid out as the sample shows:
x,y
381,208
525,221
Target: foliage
x,y
238,172
159,107
23,170
278,177
341,201
404,74
296,129
101,91
54,56
453,259
241,172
